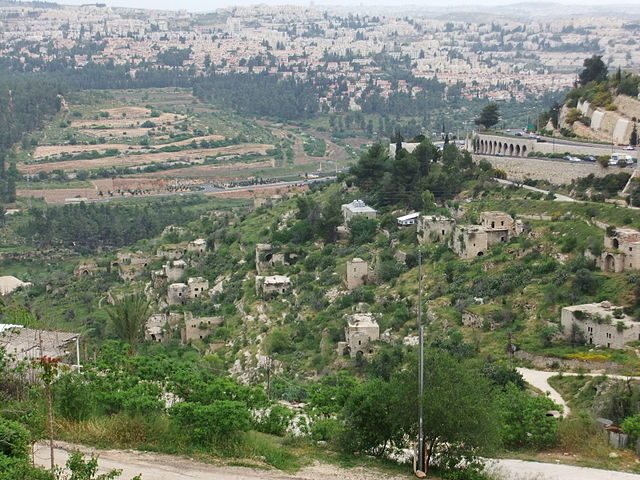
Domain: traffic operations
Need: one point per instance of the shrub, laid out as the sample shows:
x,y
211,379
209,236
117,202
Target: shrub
x,y
276,421
207,423
15,440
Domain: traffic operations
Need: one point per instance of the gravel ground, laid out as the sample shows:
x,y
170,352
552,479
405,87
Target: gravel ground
x,y
154,466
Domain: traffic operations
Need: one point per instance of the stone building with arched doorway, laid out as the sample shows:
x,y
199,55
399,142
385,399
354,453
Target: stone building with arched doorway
x,y
621,251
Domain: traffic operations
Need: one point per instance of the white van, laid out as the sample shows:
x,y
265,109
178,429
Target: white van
x,y
616,157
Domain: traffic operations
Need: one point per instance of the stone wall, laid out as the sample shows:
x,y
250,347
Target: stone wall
x,y
555,172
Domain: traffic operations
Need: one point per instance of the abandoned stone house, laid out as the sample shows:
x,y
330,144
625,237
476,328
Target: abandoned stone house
x,y
361,330
197,246
171,272
160,326
130,265
85,269
171,251
471,241
177,294
600,324
358,273
198,287
268,256
622,251
181,293
268,286
357,208
198,328
434,228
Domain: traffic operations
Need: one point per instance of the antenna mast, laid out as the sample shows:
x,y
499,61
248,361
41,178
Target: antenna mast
x,y
421,460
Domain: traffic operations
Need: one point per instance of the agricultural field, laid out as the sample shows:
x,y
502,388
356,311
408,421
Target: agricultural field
x,y
162,141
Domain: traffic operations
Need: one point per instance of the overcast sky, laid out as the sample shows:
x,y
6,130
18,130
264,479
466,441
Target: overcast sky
x,y
209,5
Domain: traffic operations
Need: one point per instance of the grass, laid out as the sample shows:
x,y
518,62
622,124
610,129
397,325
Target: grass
x,y
157,433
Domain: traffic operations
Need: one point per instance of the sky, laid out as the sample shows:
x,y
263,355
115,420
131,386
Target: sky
x,y
210,5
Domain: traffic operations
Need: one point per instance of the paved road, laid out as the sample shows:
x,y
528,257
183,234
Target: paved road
x,y
558,196
521,470
154,466
540,380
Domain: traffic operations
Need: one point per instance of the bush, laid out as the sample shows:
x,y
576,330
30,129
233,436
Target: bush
x,y
276,421
206,423
631,426
524,420
15,440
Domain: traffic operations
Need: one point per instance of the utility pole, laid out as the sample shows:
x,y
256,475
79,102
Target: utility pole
x,y
420,467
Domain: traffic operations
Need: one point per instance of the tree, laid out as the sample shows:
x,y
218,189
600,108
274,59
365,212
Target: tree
x,y
489,116
524,419
370,416
595,70
633,138
363,230
128,316
49,371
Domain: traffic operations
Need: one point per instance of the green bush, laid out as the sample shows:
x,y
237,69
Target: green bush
x,y
276,421
206,423
15,440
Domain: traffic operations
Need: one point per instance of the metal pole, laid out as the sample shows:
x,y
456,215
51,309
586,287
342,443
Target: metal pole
x,y
78,351
421,459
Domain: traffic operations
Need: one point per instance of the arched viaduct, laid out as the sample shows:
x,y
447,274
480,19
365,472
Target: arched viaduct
x,y
499,145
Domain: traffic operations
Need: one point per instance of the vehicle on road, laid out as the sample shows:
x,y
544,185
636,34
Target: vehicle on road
x,y
628,147
518,134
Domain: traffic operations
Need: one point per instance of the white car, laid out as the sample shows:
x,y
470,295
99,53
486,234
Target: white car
x,y
628,147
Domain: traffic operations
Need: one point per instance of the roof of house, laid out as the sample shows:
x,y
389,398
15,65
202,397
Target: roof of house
x,y
358,206
409,216
9,283
28,343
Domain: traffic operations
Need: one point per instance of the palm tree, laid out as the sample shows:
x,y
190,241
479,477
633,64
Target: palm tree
x,y
129,316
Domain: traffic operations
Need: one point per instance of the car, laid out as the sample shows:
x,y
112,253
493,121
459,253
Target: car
x,y
589,158
508,130
628,147
574,159
518,134
499,154
567,157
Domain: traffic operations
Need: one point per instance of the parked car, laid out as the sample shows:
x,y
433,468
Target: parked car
x,y
589,158
628,147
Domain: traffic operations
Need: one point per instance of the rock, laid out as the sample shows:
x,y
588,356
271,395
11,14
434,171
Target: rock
x,y
420,474
614,455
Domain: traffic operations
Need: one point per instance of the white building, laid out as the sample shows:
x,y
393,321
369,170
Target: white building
x,y
356,208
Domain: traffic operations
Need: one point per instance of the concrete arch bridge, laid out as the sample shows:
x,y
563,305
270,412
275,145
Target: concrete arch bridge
x,y
483,144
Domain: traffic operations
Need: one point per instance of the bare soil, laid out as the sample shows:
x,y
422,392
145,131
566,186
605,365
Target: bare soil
x,y
154,466
125,160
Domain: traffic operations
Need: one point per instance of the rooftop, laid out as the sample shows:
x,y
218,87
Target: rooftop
x,y
409,216
602,309
358,206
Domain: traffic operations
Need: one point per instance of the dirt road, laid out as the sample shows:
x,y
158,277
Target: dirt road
x,y
154,466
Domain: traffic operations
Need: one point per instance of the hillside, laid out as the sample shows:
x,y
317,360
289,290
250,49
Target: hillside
x,y
274,328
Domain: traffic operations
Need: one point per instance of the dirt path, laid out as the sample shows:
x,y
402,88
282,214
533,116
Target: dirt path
x,y
154,466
